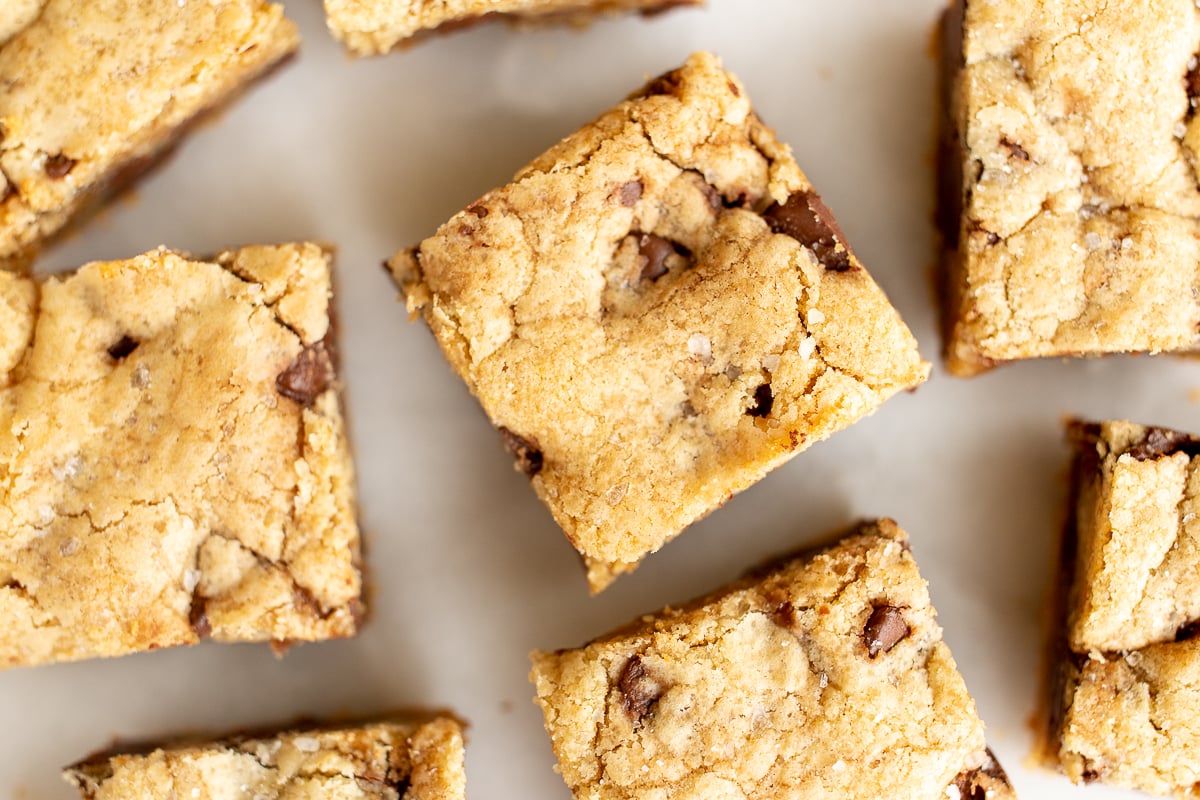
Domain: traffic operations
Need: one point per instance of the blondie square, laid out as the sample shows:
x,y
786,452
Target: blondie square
x,y
821,676
410,759
173,461
657,312
371,27
1126,680
94,92
1069,190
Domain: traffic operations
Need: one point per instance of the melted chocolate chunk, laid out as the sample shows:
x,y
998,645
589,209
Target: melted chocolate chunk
x,y
1187,631
198,617
526,451
763,401
667,83
478,210
639,691
308,376
809,221
973,784
629,193
59,166
122,347
1162,442
656,250
885,629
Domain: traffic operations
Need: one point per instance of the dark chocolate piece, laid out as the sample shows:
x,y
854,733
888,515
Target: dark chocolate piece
x,y
639,691
884,629
1163,442
630,193
122,347
526,451
308,376
763,401
809,221
59,166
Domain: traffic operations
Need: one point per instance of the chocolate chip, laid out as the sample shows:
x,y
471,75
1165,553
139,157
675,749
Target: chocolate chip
x,y
667,83
656,250
1090,773
764,399
526,451
478,210
1187,631
308,376
809,221
59,166
639,690
1014,150
198,617
784,615
884,629
969,787
1192,82
1160,442
630,193
123,347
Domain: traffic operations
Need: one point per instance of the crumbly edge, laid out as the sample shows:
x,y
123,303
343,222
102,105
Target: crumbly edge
x,y
327,477
432,768
22,240
373,32
978,780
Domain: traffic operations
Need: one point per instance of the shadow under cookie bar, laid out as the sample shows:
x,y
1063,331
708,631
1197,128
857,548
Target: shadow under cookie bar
x,y
655,313
822,675
372,27
1068,196
412,756
97,96
173,459
1125,657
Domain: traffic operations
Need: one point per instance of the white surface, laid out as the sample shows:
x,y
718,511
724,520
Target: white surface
x,y
469,570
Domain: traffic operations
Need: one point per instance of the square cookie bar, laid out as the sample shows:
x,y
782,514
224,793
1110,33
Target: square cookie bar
x,y
371,27
173,462
821,676
1069,196
95,92
411,759
657,312
1125,684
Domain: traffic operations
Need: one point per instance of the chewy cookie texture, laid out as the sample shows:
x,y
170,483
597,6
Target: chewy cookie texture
x,y
94,92
655,313
173,462
1126,662
822,676
413,759
1069,186
371,27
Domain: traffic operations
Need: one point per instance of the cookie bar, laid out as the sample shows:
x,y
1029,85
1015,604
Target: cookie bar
x,y
821,676
655,313
173,461
94,93
371,27
410,759
1069,196
1126,666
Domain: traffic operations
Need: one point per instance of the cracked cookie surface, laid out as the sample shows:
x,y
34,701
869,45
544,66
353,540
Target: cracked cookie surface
x,y
1127,665
823,676
94,92
173,461
655,313
1071,203
413,760
371,27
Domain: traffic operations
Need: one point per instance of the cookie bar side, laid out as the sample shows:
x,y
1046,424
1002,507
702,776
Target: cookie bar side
x,y
62,155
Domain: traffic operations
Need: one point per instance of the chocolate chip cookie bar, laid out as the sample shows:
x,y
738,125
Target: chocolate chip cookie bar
x,y
1126,666
173,461
657,312
372,27
418,759
1069,197
94,93
821,676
